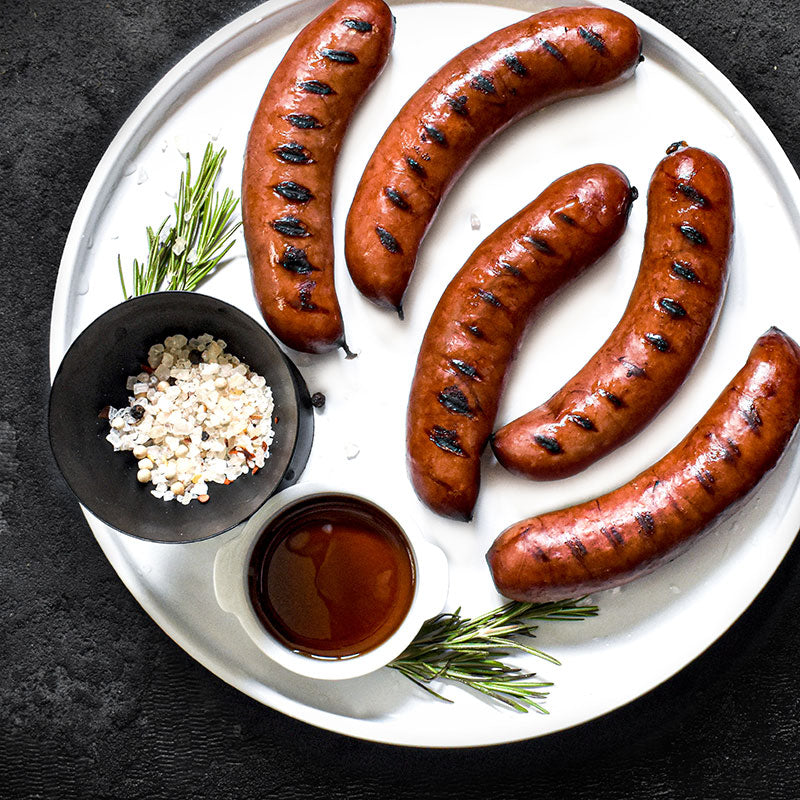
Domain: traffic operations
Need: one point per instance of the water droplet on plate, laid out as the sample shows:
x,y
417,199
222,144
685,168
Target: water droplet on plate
x,y
675,589
142,176
474,222
351,451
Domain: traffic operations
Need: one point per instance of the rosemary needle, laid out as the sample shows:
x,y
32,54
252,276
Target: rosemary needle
x,y
198,240
469,651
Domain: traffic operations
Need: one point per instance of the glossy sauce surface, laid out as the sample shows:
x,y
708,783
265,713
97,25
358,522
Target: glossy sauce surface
x,y
332,577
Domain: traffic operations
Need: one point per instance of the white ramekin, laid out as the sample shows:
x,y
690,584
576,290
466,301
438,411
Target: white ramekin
x,y
232,590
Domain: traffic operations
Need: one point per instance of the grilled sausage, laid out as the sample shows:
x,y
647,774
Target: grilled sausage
x,y
289,163
629,532
474,331
547,57
671,312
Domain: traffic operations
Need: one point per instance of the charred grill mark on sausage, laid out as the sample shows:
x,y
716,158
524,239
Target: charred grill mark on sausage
x,y
646,523
293,153
387,240
294,192
294,259
705,479
396,198
465,369
474,330
455,401
611,397
592,39
566,218
554,51
684,272
751,416
290,226
316,87
435,134
447,440
576,547
539,244
658,341
484,84
613,535
634,370
582,422
416,166
510,269
458,104
489,298
304,292
548,443
691,233
672,307
304,121
360,25
689,191
516,66
339,56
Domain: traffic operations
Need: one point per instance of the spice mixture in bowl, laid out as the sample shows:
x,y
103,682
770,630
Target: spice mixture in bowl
x,y
211,412
197,415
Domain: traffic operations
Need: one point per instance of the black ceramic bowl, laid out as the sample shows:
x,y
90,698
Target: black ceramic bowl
x,y
92,376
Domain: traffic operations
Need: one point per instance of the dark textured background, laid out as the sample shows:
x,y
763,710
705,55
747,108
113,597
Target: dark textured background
x,y
95,701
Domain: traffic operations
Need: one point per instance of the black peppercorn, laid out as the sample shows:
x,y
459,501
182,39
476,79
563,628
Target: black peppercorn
x,y
204,436
195,356
318,400
137,412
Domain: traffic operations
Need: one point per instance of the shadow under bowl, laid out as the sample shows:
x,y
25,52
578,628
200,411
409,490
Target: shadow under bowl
x,y
92,375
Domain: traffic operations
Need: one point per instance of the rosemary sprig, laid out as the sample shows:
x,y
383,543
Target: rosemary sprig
x,y
468,651
198,240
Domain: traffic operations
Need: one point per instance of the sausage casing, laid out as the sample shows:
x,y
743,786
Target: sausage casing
x,y
476,326
289,162
670,314
547,57
629,532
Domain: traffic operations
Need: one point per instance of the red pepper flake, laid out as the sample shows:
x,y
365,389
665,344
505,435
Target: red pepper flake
x,y
104,413
225,482
203,498
147,368
255,469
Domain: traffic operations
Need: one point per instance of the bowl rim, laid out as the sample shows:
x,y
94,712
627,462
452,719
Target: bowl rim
x,y
231,586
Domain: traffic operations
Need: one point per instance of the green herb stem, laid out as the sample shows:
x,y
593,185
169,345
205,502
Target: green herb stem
x,y
469,651
181,256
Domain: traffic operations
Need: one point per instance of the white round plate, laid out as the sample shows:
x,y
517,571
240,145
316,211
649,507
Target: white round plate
x,y
648,630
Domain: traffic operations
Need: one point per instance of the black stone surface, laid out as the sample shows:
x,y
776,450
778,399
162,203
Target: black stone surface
x,y
95,701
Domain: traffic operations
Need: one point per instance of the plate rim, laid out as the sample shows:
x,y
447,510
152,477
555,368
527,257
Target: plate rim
x,y
766,145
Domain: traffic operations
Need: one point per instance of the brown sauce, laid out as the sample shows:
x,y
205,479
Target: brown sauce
x,y
331,577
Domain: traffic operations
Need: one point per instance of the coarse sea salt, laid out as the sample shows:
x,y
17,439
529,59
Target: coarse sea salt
x,y
199,416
